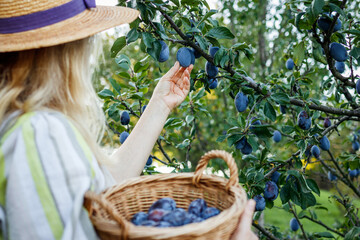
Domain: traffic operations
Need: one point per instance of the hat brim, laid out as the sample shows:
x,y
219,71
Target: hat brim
x,y
85,24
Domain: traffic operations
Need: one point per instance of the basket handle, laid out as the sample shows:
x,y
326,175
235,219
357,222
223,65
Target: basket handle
x,y
227,157
109,208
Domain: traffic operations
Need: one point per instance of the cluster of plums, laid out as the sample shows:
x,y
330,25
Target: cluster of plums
x,y
186,56
164,213
271,192
337,50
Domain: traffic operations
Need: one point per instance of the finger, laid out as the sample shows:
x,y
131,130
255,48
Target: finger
x,y
178,74
190,68
173,70
247,216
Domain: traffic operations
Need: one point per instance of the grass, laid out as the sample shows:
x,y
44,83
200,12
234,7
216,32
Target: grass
x,y
335,214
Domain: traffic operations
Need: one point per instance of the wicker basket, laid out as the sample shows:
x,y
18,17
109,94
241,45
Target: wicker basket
x,y
111,211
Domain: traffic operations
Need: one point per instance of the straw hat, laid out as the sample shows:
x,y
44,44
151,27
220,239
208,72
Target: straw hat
x,y
28,24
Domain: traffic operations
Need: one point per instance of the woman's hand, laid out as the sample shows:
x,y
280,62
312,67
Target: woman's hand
x,y
174,86
243,231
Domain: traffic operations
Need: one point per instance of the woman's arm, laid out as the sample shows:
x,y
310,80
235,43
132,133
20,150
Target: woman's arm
x,y
129,160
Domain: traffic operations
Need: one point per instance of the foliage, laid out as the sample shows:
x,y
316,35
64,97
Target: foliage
x,y
251,59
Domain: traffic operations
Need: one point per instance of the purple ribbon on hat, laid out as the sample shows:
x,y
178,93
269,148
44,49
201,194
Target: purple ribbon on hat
x,y
44,18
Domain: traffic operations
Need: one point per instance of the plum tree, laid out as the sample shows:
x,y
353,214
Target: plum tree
x,y
316,96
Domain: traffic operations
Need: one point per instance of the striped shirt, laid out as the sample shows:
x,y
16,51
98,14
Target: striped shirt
x,y
45,169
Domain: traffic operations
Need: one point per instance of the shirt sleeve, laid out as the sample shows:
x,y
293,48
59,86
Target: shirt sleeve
x,y
48,172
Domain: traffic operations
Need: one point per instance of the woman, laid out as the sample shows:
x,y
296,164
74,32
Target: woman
x,y
51,120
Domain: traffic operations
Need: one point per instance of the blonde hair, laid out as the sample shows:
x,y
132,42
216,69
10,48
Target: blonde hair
x,y
56,78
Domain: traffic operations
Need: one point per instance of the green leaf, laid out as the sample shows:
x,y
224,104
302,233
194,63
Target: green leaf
x,y
299,53
220,33
269,112
280,98
106,93
318,53
173,122
317,6
155,50
123,61
119,44
233,139
207,15
324,235
115,85
132,36
203,44
352,233
148,39
298,19
313,186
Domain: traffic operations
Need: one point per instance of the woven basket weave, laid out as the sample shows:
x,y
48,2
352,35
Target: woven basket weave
x,y
111,211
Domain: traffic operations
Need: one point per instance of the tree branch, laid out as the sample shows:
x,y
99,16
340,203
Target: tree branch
x,y
325,226
264,231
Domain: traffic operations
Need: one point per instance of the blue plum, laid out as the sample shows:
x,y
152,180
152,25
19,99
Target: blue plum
x,y
176,217
183,55
143,108
338,52
164,52
254,123
139,217
213,50
290,64
275,176
315,151
324,143
241,143
327,122
213,83
358,86
247,149
340,66
148,223
260,203
123,136
241,101
192,56
352,173
324,24
304,120
163,224
124,118
283,109
355,145
197,206
294,224
157,214
209,212
271,190
277,136
331,176
149,161
211,70
196,53
164,203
